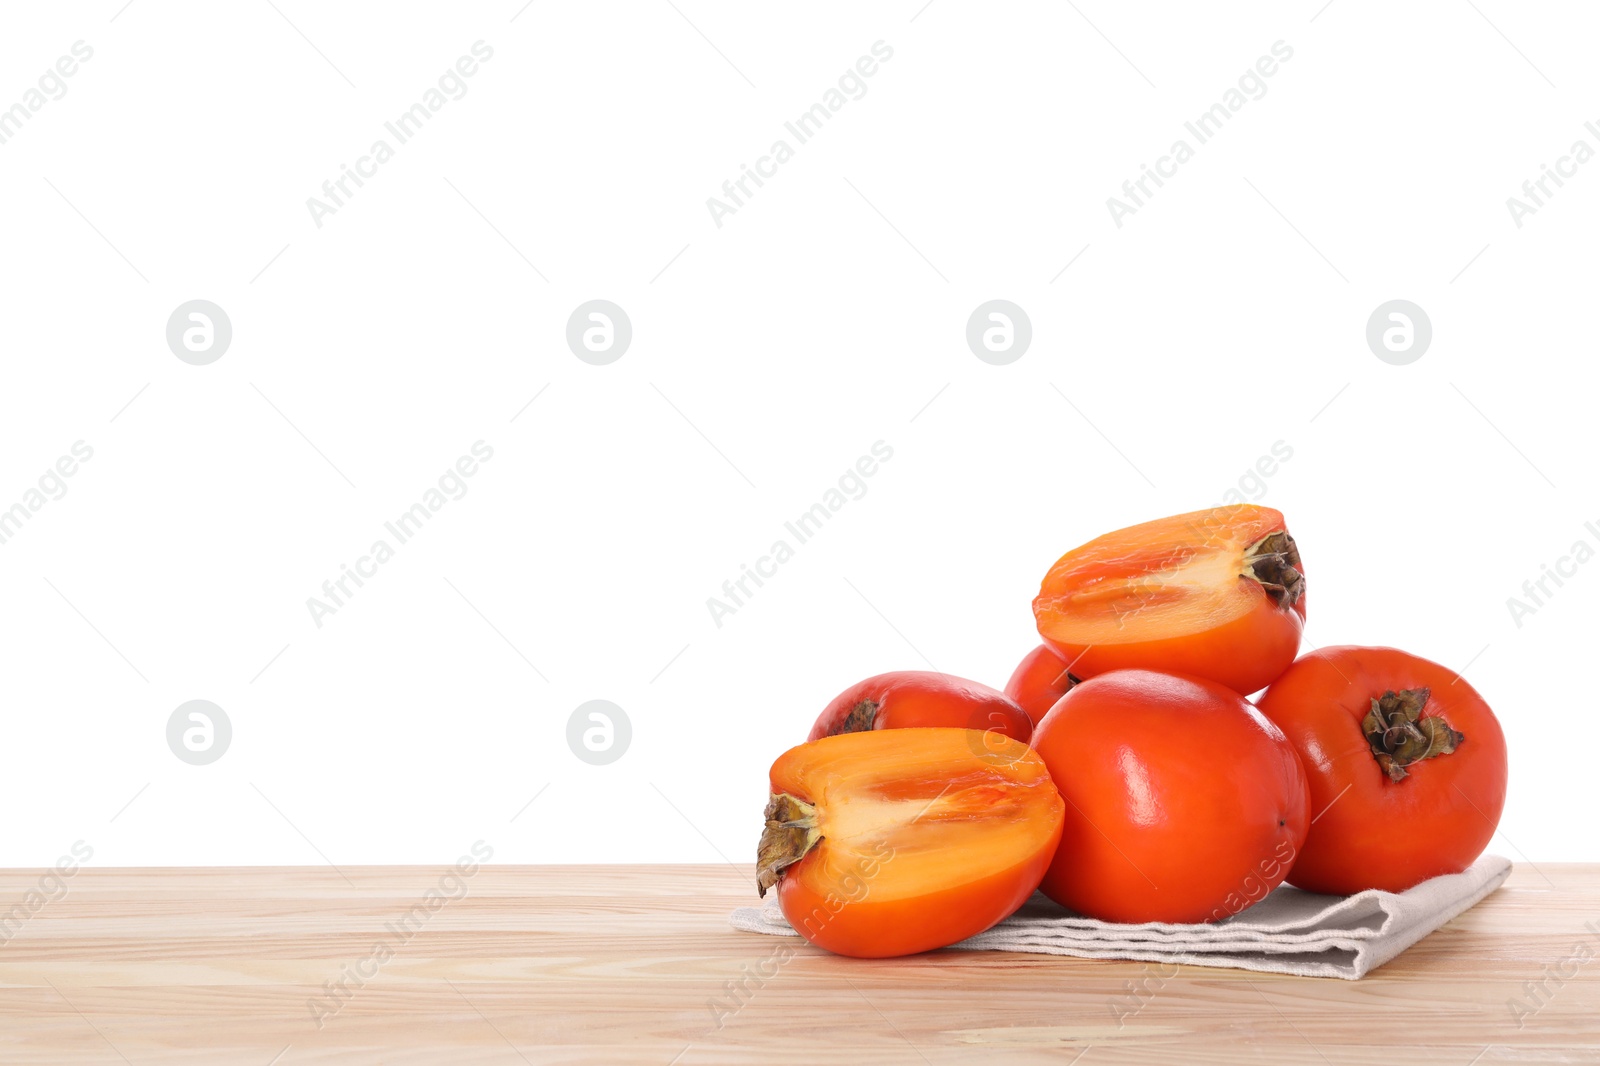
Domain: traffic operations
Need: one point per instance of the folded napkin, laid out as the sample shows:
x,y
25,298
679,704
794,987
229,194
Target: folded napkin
x,y
1289,931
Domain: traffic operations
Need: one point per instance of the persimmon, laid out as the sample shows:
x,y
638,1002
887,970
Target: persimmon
x,y
1407,766
1184,802
904,698
1218,594
1041,678
896,841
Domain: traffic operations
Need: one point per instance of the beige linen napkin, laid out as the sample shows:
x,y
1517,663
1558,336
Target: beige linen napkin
x,y
1289,931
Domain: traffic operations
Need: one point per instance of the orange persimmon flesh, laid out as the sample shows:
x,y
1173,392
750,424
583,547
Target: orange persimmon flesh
x,y
895,841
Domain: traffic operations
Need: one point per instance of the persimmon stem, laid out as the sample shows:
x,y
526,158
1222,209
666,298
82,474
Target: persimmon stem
x,y
859,720
1274,562
1400,736
791,832
1067,676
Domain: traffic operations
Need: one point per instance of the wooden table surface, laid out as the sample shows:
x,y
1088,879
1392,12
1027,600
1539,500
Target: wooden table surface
x,y
622,965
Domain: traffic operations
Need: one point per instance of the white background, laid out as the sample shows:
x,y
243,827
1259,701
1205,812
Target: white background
x,y
768,355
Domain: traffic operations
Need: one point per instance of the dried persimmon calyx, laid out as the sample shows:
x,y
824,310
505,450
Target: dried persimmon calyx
x,y
1400,736
791,832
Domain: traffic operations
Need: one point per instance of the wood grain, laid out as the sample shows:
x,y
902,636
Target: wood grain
x,y
630,965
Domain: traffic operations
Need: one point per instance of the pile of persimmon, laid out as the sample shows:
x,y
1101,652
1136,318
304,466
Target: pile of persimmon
x,y
1124,771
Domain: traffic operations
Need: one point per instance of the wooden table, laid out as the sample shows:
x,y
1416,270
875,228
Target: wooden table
x,y
623,965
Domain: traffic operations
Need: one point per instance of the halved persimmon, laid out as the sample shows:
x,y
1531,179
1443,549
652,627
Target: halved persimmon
x,y
1218,594
895,841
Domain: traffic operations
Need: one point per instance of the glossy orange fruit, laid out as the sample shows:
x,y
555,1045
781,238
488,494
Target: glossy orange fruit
x,y
921,698
1184,802
895,841
1218,594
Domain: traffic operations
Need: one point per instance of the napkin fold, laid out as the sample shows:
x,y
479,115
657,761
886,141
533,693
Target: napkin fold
x,y
1288,931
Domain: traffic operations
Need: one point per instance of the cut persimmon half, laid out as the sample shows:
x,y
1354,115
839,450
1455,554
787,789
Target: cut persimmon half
x,y
1218,594
895,841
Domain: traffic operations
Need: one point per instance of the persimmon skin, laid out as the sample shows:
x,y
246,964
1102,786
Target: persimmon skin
x,y
913,925
966,804
1184,803
1252,638
1371,832
1040,679
1272,637
924,698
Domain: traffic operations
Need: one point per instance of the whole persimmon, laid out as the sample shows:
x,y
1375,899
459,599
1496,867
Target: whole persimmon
x,y
1041,678
1184,802
905,698
1407,766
